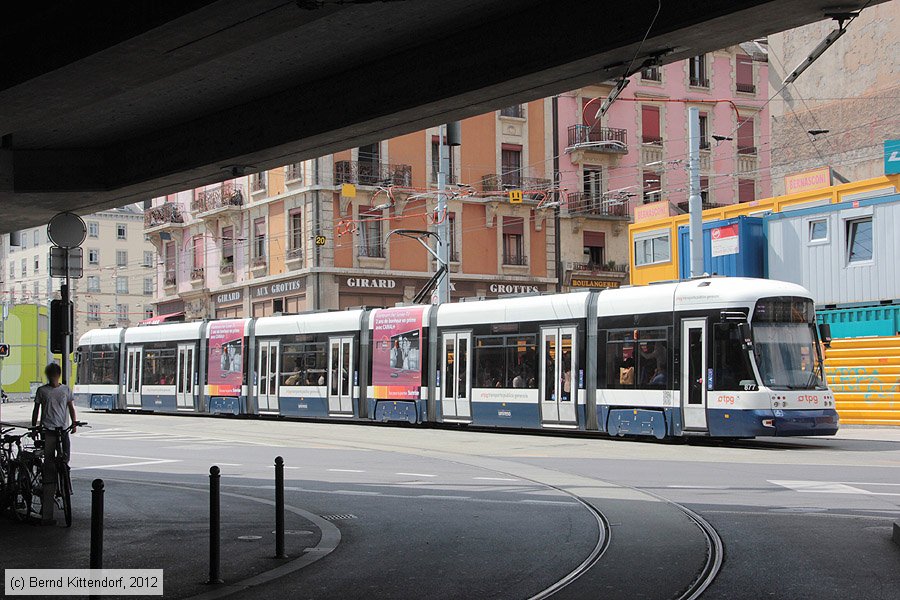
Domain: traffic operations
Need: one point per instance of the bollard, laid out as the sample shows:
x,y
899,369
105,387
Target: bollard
x,y
214,527
279,508
97,524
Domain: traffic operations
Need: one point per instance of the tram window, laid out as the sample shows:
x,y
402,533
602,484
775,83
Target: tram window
x,y
103,364
303,362
508,361
159,364
731,363
638,358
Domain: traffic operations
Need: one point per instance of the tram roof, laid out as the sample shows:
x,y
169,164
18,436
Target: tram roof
x,y
324,322
94,337
510,310
164,332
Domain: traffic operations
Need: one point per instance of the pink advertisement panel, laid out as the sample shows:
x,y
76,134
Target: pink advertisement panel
x,y
397,354
226,355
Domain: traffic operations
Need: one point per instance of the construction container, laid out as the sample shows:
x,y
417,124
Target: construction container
x,y
732,247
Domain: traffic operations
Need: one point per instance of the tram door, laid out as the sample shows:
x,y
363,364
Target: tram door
x,y
456,384
267,376
133,366
184,377
340,369
693,370
559,383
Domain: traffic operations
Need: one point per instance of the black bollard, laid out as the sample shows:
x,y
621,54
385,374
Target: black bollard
x,y
97,524
214,526
279,508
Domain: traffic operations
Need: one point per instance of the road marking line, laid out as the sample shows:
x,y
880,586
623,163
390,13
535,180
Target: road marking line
x,y
820,487
114,455
545,502
346,471
120,465
439,497
229,464
416,474
495,479
357,493
698,487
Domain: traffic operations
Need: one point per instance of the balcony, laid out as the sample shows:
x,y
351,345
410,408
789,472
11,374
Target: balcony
x,y
162,216
496,182
685,206
652,154
514,259
293,173
582,204
371,173
198,275
218,200
169,280
747,163
598,139
745,88
702,82
747,150
258,265
294,258
596,268
226,269
371,251
516,111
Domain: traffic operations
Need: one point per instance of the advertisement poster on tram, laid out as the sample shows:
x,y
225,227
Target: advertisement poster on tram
x,y
397,357
226,355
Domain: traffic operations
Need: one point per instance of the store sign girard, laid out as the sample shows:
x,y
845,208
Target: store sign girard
x,y
232,297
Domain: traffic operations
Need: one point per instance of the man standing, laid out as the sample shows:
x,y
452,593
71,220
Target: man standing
x,y
55,404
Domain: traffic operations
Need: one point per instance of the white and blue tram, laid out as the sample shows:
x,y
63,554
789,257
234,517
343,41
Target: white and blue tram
x,y
720,357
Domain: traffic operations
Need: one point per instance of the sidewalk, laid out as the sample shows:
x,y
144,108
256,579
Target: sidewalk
x,y
152,526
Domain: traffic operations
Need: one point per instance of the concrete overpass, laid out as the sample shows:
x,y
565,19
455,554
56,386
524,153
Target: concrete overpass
x,y
109,102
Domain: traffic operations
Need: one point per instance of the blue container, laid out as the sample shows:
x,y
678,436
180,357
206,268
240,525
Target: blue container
x,y
740,255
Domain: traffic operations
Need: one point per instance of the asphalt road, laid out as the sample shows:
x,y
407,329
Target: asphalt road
x,y
461,513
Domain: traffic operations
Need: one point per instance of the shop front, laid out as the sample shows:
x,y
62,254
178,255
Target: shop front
x,y
386,292
285,297
230,304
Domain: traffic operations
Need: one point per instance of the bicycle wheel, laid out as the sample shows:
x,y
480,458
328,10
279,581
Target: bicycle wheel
x,y
65,491
20,495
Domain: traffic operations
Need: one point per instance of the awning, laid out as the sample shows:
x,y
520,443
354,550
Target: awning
x,y
177,316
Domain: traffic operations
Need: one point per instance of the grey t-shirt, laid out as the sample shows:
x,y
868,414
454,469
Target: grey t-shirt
x,y
54,405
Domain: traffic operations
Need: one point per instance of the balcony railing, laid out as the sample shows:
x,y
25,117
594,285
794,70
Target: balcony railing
x,y
226,268
169,281
258,262
197,274
699,82
586,204
495,182
371,251
516,110
295,254
515,259
747,88
747,150
371,173
609,267
230,195
599,139
293,172
685,206
164,214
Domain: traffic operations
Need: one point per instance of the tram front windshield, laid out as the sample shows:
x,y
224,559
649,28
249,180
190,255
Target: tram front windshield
x,y
785,344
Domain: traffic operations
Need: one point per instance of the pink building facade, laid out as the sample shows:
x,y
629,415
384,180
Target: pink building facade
x,y
638,151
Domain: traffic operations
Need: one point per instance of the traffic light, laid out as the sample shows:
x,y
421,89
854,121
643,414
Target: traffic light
x,y
61,320
4,350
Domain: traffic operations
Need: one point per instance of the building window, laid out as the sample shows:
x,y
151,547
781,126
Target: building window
x,y
37,264
148,286
197,252
653,73
650,125
93,312
697,69
121,258
23,240
148,258
514,241
259,238
652,186
511,165
93,256
704,131
451,229
516,110
228,247
12,269
35,237
24,262
704,191
170,263
121,284
121,231
592,184
295,222
37,289
93,229
93,283
258,182
148,313
369,163
294,172
370,233
122,313
436,160
745,143
744,74
859,240
818,230
593,244
651,248
746,190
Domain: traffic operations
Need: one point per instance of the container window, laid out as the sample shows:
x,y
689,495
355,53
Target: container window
x,y
652,249
818,230
859,240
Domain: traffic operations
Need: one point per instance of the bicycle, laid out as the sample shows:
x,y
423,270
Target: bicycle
x,y
26,477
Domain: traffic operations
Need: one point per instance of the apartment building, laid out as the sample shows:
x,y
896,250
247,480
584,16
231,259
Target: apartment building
x,y
119,283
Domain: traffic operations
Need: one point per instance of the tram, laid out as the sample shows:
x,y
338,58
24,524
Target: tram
x,y
719,357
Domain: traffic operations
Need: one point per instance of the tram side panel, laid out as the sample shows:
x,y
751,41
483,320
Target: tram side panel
x,y
397,382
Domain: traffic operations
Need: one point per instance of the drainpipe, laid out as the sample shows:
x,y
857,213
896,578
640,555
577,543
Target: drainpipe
x,y
557,244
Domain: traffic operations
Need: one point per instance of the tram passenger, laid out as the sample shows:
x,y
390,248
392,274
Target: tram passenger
x,y
655,351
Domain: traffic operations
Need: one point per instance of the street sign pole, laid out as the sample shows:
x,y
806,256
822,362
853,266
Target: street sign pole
x,y
66,230
67,339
